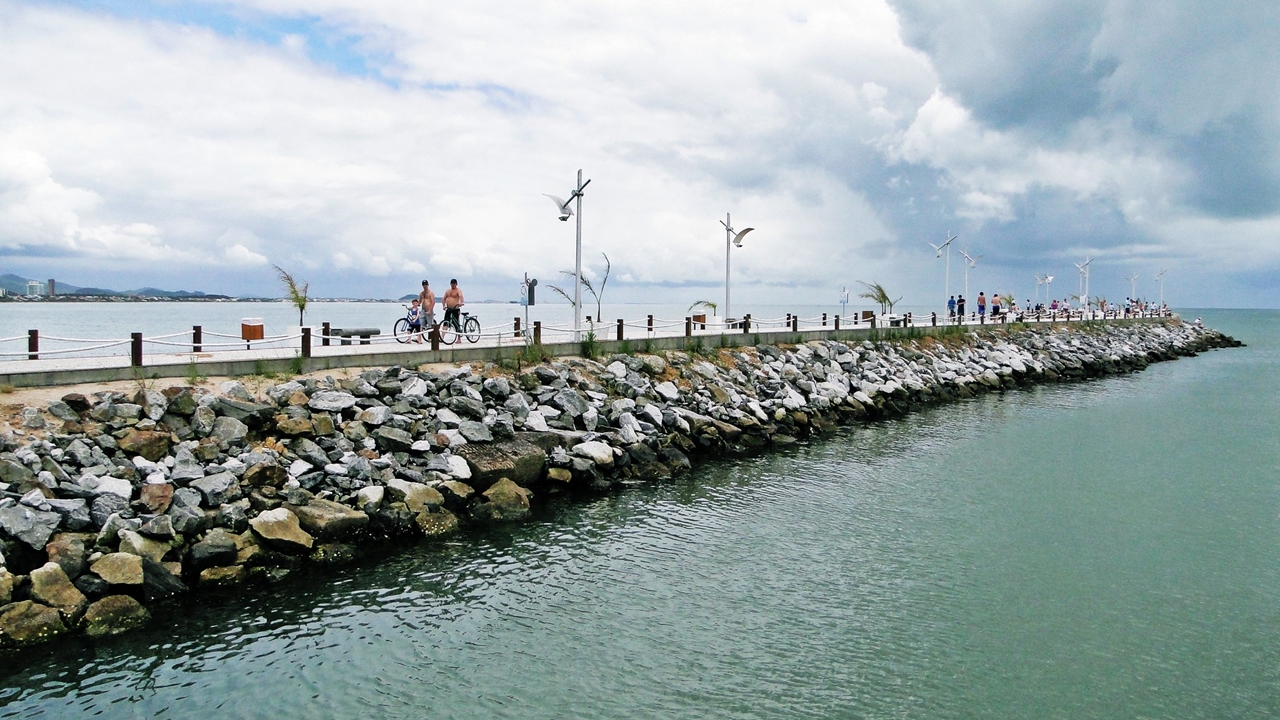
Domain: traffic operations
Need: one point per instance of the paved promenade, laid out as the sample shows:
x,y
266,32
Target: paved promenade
x,y
225,356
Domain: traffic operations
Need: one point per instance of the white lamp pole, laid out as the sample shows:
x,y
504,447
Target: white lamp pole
x,y
1160,280
565,212
731,238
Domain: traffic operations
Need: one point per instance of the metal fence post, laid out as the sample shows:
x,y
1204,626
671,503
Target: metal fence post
x,y
33,344
135,354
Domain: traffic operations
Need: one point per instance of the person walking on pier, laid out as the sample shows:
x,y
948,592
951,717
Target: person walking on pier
x,y
427,308
960,308
982,304
951,307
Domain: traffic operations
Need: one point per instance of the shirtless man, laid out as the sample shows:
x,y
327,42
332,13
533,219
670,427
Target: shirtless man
x,y
453,303
427,301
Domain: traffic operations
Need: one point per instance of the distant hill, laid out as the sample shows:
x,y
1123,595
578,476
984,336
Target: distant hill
x,y
17,285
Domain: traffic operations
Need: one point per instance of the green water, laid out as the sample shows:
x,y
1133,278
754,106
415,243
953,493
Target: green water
x,y
1106,550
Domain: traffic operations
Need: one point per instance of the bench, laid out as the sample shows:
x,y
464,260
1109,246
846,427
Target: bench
x,y
347,333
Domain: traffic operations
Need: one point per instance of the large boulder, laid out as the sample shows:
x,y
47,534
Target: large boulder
x,y
135,543
505,501
215,549
51,586
158,583
517,459
113,615
393,439
28,623
331,401
119,570
68,550
29,525
150,444
14,472
228,430
597,452
436,522
415,496
328,519
279,529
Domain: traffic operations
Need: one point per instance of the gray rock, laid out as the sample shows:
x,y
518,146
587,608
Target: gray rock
x,y
158,583
570,402
159,527
310,452
33,527
497,387
13,471
74,513
393,439
597,452
153,402
228,430
202,420
377,415
467,407
186,466
233,517
104,506
667,390
109,535
218,548
331,401
475,431
217,489
63,411
517,406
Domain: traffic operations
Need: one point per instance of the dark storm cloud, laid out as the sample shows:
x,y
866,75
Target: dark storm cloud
x,y
1196,81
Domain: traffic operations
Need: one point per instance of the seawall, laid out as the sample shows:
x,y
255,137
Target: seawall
x,y
115,502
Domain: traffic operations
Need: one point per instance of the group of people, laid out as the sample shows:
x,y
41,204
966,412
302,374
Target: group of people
x,y
956,307
423,308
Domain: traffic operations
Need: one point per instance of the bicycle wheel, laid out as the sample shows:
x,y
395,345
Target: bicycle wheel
x,y
402,330
472,330
448,333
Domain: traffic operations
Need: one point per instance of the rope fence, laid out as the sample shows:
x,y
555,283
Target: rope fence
x,y
514,332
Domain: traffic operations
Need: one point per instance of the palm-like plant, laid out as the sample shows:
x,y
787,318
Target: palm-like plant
x,y
878,295
703,304
591,288
295,291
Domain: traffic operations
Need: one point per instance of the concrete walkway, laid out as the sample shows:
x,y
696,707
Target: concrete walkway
x,y
46,372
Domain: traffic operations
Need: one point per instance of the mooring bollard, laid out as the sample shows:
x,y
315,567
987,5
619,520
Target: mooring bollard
x,y
517,328
306,342
619,329
197,338
135,354
537,332
33,344
324,334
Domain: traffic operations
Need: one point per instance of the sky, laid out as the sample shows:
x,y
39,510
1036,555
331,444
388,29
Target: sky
x,y
366,144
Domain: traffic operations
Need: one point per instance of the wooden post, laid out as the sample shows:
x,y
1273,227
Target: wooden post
x,y
933,319
306,342
537,332
688,327
982,319
650,324
619,328
435,337
746,323
873,322
837,323
824,319
795,323
324,334
33,344
517,330
135,354
197,338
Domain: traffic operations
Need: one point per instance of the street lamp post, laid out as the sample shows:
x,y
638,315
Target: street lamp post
x,y
946,283
1160,280
565,212
731,239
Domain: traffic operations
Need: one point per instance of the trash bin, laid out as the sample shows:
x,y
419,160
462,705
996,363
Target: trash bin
x,y
251,329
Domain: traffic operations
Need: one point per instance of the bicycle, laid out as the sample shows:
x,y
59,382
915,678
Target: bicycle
x,y
462,325
404,330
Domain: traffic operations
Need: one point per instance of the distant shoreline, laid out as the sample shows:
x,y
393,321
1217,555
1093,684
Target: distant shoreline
x,y
208,298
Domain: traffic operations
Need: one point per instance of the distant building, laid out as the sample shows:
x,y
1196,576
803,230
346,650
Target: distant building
x,y
52,288
33,288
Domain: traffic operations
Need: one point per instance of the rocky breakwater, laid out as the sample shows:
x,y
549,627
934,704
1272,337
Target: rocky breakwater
x,y
113,502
